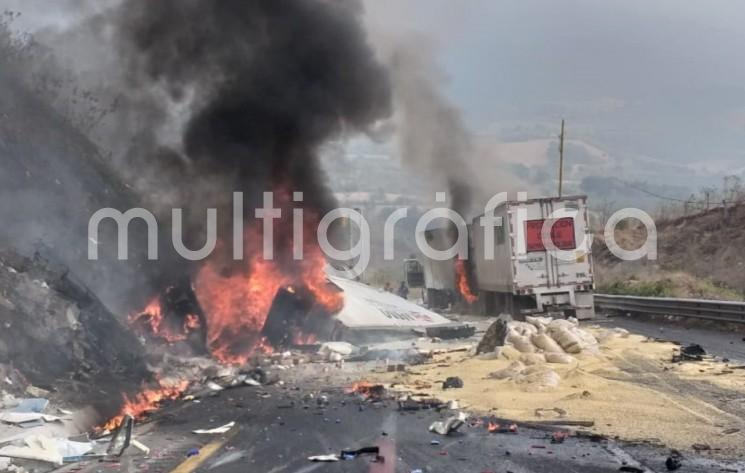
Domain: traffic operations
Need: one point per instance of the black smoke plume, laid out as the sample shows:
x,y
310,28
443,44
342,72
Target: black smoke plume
x,y
262,83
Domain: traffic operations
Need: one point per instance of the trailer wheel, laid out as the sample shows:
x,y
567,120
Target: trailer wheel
x,y
488,302
516,305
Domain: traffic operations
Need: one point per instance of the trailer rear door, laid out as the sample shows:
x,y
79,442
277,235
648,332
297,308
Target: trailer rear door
x,y
534,266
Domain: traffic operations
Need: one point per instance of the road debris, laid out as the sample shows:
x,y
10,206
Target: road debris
x,y
452,382
352,454
368,391
46,449
24,417
342,349
674,461
559,436
494,427
122,437
215,431
693,352
140,446
558,412
324,458
450,425
31,405
410,404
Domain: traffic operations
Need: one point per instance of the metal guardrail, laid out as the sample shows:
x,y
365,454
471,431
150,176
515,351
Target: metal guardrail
x,y
724,311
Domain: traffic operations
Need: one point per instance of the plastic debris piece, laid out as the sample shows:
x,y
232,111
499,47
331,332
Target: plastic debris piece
x,y
38,447
217,430
31,405
71,451
324,458
340,348
21,417
140,446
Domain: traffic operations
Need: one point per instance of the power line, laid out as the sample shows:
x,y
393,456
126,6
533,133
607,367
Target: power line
x,y
674,199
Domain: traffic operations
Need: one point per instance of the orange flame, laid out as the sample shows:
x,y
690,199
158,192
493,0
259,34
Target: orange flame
x,y
145,402
314,278
151,320
237,304
191,323
236,300
304,339
367,389
462,282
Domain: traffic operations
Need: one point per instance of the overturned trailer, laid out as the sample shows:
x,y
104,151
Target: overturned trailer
x,y
369,314
366,315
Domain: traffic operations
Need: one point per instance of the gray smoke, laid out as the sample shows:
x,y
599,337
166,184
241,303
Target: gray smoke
x,y
431,134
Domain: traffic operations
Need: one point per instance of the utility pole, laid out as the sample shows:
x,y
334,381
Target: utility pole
x,y
561,156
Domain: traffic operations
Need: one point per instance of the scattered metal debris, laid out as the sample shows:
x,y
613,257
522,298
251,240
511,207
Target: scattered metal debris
x,y
449,426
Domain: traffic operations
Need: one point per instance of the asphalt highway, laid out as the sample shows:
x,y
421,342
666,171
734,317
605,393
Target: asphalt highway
x,y
278,427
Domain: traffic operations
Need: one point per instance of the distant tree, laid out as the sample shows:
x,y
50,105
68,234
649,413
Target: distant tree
x,y
732,188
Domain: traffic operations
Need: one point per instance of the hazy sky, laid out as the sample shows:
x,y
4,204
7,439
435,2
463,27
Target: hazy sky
x,y
663,78
658,78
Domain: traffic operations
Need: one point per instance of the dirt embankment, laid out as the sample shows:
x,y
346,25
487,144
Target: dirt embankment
x,y
55,333
58,336
700,256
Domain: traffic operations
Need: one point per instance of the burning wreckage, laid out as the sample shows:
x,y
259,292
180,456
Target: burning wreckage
x,y
296,316
266,100
185,345
180,358
260,91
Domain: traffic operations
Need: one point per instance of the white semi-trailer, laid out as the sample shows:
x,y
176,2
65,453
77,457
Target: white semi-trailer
x,y
538,260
